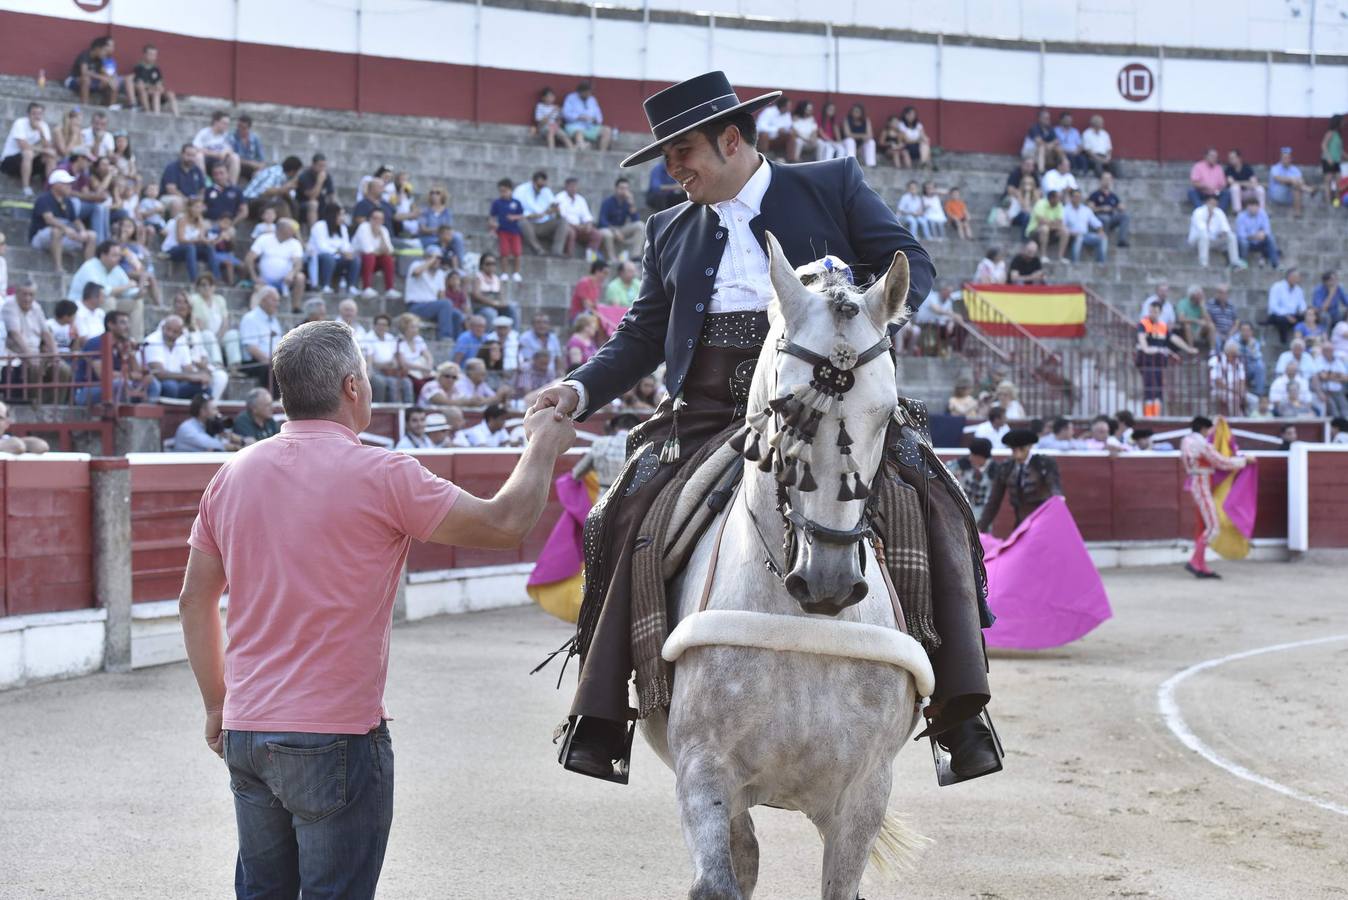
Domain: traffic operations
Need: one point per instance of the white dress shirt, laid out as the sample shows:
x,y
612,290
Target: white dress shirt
x,y
1058,181
773,122
535,202
1213,221
575,210
742,282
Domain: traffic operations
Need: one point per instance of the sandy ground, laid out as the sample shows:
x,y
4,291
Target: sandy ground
x,y
106,790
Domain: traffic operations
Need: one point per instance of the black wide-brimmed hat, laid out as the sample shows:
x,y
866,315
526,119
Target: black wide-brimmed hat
x,y
1019,437
679,109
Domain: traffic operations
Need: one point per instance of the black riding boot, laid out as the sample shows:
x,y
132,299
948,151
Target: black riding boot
x,y
600,748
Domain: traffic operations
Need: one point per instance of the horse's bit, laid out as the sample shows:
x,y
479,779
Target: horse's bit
x,y
789,451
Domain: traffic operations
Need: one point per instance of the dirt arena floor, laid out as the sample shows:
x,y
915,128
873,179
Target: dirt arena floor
x,y
106,790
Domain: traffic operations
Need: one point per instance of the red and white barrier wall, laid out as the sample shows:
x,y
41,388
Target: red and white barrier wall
x,y
485,61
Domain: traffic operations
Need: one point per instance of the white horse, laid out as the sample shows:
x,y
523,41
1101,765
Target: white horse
x,y
799,730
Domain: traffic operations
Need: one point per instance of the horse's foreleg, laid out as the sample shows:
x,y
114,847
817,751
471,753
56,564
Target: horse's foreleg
x,y
704,805
744,851
849,836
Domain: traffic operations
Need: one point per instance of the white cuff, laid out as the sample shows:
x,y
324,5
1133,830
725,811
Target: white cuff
x,y
582,393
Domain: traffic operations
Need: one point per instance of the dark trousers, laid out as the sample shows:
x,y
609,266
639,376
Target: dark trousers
x,y
1284,324
313,812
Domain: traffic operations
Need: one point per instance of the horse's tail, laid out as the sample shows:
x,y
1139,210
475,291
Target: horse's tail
x,y
896,847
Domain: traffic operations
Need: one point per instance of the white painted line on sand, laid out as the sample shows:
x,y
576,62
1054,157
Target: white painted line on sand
x,y
1174,720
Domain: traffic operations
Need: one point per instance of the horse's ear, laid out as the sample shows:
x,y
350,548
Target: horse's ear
x,y
786,286
887,300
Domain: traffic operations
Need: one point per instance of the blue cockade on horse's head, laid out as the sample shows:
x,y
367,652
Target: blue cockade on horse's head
x,y
832,277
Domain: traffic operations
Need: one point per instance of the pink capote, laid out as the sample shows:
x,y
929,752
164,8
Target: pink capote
x,y
1042,586
563,555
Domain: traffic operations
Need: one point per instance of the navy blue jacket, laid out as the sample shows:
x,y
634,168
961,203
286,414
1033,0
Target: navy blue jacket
x,y
812,209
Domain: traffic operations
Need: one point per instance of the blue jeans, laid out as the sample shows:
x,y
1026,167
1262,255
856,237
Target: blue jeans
x,y
180,390
1256,377
491,311
323,265
1090,240
1196,198
1268,246
94,215
192,253
313,812
917,226
88,396
448,320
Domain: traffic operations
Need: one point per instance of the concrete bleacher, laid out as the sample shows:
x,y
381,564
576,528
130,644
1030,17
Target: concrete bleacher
x,y
469,158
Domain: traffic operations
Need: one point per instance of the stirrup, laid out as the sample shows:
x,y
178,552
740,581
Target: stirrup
x,y
945,775
622,766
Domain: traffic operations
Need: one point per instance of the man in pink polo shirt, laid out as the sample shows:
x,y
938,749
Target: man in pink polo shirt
x,y
295,703
1207,178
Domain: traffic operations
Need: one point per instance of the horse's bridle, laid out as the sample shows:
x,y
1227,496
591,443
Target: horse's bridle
x,y
789,451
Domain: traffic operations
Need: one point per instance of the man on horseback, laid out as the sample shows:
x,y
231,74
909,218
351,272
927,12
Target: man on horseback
x,y
702,310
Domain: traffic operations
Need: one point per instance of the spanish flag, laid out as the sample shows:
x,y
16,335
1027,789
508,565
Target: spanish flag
x,y
1043,310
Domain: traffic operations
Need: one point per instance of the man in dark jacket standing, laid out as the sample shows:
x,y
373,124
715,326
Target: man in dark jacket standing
x,y
702,311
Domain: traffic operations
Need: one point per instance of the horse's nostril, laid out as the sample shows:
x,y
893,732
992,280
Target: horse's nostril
x,y
797,588
859,591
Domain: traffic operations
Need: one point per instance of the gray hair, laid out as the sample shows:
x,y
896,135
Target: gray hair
x,y
315,304
310,364
1231,346
254,395
1193,289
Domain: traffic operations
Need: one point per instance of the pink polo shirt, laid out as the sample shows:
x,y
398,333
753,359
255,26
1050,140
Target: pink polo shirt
x,y
1209,175
313,528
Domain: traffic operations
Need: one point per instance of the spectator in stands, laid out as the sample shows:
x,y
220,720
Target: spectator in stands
x,y
574,210
273,187
55,225
933,213
256,422
1007,397
1222,315
62,326
540,339
374,245
1311,329
1332,376
1329,299
961,401
1286,187
1070,143
224,198
1097,149
414,356
398,194
1252,357
470,340
1240,178
506,220
315,309
1059,179
214,145
663,192
182,180
439,391
532,378
150,87
830,133
1226,375
1254,232
371,197
103,268
330,252
911,211
259,332
26,336
388,382
169,358
247,146
583,120
581,345
205,430
1040,141
548,120
132,382
29,151
89,314
540,218
1161,293
1101,437
805,133
1084,228
1192,322
1293,405
589,290
1291,374
1338,430
624,289
991,268
503,328
937,315
1156,343
958,212
1209,225
490,432
915,144
349,312
1207,179
88,194
315,191
993,428
425,294
278,260
891,142
774,129
1016,179
14,444
415,436
1286,303
1059,437
1331,157
204,346
620,223
473,389
435,217
95,70
858,135
124,158
1026,267
1046,223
